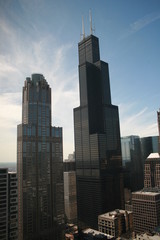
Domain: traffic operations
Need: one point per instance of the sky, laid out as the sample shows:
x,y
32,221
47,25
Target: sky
x,y
41,36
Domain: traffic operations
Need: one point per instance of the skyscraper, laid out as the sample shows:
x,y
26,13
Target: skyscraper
x,y
132,162
97,139
148,145
39,165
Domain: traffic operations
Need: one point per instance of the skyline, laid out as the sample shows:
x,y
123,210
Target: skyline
x,y
42,36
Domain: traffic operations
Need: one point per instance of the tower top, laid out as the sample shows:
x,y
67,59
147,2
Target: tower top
x,y
91,27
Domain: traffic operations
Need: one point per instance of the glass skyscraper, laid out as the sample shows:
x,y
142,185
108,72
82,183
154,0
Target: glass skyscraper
x,y
39,165
132,162
97,139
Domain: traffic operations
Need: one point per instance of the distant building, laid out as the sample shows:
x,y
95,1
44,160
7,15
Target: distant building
x,y
70,196
70,193
69,165
148,145
135,150
152,171
146,211
116,223
132,162
71,157
8,205
128,206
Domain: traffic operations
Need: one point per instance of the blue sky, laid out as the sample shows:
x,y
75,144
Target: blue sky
x,y
42,36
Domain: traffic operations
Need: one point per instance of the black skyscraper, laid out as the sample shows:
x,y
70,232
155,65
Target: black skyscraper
x,y
97,139
40,165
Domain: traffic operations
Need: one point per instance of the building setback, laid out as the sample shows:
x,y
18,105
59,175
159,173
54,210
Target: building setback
x,y
97,139
146,211
40,165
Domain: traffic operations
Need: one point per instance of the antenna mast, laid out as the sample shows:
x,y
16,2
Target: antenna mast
x,y
90,19
83,30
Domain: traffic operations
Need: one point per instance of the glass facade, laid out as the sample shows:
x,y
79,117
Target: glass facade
x,y
149,145
97,139
40,165
132,162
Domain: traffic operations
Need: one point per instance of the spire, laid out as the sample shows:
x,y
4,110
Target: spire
x,y
90,20
92,30
83,30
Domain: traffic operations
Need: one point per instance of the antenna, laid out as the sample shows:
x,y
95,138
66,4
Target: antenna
x,y
83,30
90,20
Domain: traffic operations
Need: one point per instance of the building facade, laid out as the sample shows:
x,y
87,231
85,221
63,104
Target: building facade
x,y
4,204
70,196
152,171
12,206
146,211
158,121
8,205
132,162
116,223
39,165
97,139
148,145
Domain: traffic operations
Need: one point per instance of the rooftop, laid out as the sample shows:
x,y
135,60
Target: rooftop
x,y
95,233
114,214
153,156
142,192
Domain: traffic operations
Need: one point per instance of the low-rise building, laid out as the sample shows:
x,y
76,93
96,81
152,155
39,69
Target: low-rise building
x,y
116,223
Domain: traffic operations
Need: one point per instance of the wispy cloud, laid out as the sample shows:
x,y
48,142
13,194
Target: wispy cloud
x,y
10,117
140,24
143,22
22,57
137,122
